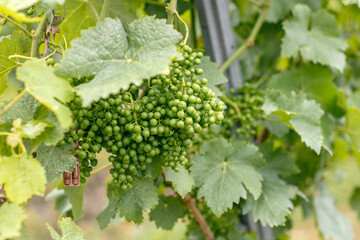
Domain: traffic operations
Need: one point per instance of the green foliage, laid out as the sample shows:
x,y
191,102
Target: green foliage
x,y
56,159
119,57
19,44
223,165
332,223
47,88
69,230
11,217
167,212
318,43
151,102
17,175
212,74
293,110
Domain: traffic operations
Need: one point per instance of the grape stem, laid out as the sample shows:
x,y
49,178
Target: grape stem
x,y
190,203
100,169
27,33
249,42
233,104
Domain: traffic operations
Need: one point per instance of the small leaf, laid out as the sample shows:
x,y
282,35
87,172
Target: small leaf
x,y
62,202
119,57
34,128
141,196
47,88
24,108
69,230
182,181
167,212
213,74
299,113
314,36
22,177
223,169
332,223
279,9
56,160
11,217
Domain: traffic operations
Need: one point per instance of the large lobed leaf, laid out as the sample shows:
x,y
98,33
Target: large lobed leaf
x,y
11,217
49,89
22,177
19,44
69,230
223,169
314,36
118,57
332,223
299,113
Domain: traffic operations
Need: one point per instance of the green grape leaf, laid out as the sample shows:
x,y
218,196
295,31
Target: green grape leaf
x,y
141,196
274,203
299,113
119,57
34,128
19,44
221,171
332,223
279,9
47,88
213,74
354,100
11,217
313,36
56,160
355,201
51,135
315,81
62,202
182,181
76,195
24,108
278,160
22,177
85,14
69,230
110,211
167,212
352,127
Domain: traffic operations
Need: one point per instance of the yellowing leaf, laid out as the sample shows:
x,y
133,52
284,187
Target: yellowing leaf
x,y
11,217
22,177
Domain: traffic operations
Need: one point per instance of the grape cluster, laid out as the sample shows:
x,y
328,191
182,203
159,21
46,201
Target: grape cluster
x,y
248,101
157,121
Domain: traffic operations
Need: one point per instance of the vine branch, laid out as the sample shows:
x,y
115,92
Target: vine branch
x,y
104,10
37,37
250,40
190,203
16,24
101,168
